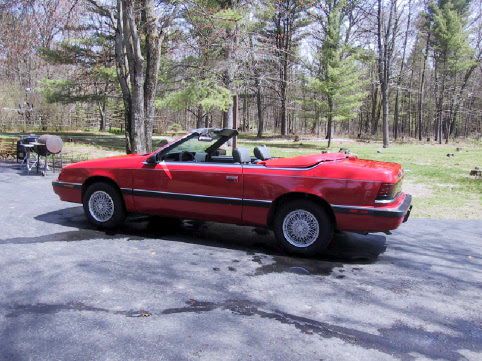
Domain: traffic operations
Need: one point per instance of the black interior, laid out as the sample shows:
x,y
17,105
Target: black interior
x,y
191,157
212,154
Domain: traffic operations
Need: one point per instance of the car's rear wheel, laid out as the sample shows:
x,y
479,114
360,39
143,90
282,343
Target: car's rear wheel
x,y
104,206
303,227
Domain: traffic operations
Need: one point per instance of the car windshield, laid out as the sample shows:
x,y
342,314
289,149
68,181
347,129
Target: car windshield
x,y
199,143
194,145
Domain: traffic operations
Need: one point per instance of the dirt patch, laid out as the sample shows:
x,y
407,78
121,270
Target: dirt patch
x,y
418,190
75,152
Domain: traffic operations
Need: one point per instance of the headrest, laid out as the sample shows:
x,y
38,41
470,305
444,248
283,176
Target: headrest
x,y
241,155
262,153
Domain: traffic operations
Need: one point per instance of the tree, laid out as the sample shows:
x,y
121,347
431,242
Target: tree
x,y
420,61
400,74
387,28
284,19
452,55
204,95
94,78
425,34
206,80
338,82
254,66
139,33
229,17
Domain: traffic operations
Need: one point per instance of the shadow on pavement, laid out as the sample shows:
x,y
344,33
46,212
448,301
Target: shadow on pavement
x,y
12,167
345,248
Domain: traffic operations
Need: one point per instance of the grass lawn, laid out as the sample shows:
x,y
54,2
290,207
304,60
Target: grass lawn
x,y
440,185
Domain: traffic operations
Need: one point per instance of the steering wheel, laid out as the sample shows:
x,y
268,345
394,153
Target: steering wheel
x,y
185,156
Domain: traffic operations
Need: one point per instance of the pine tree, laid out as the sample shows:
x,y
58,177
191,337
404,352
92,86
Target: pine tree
x,y
338,84
452,54
209,81
94,80
284,23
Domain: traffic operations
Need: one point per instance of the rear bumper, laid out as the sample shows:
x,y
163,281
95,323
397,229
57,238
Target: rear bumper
x,y
376,218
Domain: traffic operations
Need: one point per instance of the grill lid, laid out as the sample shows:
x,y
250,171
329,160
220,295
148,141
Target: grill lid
x,y
53,143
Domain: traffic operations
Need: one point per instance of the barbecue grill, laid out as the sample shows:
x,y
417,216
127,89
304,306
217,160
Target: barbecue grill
x,y
43,146
48,145
21,150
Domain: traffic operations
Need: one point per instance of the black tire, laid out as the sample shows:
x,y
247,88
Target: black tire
x,y
325,227
119,212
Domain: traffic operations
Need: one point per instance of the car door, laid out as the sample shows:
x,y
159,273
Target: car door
x,y
207,191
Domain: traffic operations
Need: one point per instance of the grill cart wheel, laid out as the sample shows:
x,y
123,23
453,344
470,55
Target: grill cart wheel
x,y
103,205
302,227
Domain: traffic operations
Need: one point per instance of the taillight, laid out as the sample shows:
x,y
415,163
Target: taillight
x,y
388,191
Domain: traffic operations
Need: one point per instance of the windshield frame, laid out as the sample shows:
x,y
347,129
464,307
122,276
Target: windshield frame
x,y
226,135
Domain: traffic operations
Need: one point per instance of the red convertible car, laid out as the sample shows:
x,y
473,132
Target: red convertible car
x,y
303,199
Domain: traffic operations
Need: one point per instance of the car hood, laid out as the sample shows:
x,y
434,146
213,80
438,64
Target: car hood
x,y
118,161
303,161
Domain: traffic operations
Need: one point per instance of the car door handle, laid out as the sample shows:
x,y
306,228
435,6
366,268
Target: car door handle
x,y
232,178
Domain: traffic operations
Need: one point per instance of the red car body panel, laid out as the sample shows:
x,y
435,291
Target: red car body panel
x,y
302,161
247,193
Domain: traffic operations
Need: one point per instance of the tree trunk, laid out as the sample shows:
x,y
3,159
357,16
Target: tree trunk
x,y
284,78
399,80
137,75
457,98
385,128
440,104
283,119
153,42
314,126
122,73
375,110
229,73
329,125
101,105
135,58
409,105
421,89
245,125
235,118
385,41
396,112
259,106
206,121
199,117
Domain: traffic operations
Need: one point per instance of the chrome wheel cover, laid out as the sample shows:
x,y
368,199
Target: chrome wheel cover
x,y
101,206
301,228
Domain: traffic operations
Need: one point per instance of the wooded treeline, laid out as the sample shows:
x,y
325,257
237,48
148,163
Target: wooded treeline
x,y
378,68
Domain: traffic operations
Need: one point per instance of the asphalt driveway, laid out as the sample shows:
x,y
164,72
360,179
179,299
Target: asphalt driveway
x,y
221,292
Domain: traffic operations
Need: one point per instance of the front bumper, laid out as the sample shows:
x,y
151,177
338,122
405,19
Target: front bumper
x,y
69,192
374,219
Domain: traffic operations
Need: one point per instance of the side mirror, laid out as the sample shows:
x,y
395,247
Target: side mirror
x,y
152,160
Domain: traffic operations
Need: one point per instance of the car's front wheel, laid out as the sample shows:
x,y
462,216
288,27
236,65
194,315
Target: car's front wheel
x,y
303,227
103,205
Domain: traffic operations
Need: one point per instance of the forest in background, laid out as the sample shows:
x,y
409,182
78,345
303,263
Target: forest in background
x,y
376,69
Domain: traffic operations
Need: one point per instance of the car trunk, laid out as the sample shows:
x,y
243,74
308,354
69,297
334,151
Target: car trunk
x,y
342,166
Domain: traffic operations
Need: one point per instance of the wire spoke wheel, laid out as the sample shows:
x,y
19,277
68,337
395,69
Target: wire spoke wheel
x,y
301,228
101,206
